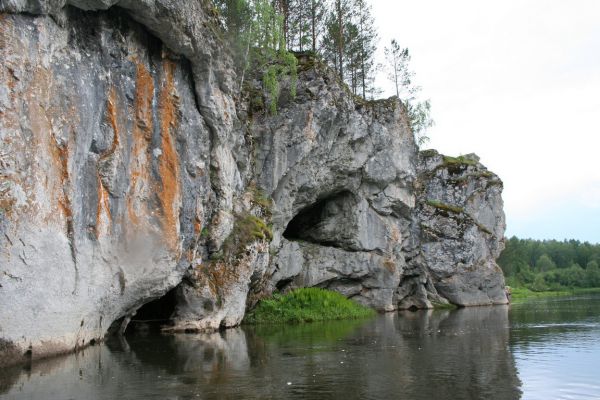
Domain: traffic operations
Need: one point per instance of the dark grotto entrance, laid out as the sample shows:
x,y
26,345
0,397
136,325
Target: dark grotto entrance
x,y
300,226
154,315
325,222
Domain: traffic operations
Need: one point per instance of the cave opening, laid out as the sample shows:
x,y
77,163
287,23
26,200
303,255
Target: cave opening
x,y
154,315
304,221
319,222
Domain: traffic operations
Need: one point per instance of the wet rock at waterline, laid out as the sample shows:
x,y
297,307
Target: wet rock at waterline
x,y
131,166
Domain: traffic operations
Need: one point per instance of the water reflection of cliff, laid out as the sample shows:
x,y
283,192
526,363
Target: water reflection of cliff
x,y
462,354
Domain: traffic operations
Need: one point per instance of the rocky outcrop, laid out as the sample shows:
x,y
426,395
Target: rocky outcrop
x,y
360,211
461,228
131,165
340,175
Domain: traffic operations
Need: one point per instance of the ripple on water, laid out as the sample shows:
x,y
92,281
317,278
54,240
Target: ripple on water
x,y
557,351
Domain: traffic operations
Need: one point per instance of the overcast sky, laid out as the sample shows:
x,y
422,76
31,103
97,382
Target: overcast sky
x,y
518,83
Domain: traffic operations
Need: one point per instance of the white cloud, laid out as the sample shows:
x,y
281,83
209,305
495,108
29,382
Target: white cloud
x,y
590,196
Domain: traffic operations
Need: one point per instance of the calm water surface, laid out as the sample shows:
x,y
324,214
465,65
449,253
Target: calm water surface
x,y
545,349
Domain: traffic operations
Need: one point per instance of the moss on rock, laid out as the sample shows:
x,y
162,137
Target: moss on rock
x,y
460,160
247,229
445,207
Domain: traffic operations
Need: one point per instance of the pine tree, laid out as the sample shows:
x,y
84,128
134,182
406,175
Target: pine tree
x,y
285,9
419,112
349,44
299,36
352,57
329,43
397,60
336,33
236,15
341,17
238,19
316,14
257,31
367,38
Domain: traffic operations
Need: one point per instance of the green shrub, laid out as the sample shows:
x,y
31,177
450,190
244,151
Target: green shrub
x,y
279,65
307,305
248,228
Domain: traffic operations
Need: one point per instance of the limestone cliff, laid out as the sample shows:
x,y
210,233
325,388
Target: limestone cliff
x,y
130,165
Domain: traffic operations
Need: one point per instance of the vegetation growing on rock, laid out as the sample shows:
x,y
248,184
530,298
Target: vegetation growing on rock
x,y
248,228
445,207
307,305
257,32
341,33
460,160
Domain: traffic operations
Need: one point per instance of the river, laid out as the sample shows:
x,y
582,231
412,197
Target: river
x,y
542,349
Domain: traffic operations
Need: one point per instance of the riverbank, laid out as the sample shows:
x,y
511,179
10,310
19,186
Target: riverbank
x,y
520,294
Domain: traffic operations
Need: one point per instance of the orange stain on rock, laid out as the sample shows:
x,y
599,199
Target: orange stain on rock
x,y
219,276
60,159
197,226
142,135
144,93
10,45
55,170
169,161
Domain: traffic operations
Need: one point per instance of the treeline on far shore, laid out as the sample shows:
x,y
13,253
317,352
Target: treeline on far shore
x,y
550,265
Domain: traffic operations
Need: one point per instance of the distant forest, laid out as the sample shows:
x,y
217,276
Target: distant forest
x,y
550,264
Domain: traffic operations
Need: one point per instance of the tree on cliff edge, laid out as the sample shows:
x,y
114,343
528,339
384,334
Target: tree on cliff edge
x,y
257,30
399,73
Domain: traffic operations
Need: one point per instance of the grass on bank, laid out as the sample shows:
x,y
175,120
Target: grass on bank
x,y
519,294
306,305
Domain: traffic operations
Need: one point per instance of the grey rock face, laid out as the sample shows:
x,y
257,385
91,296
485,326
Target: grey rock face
x,y
130,165
341,177
461,226
99,133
